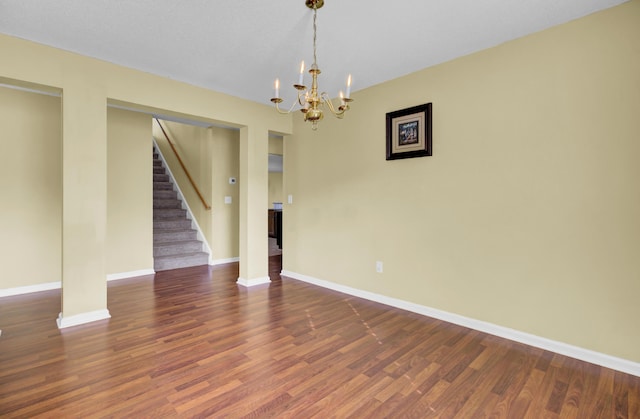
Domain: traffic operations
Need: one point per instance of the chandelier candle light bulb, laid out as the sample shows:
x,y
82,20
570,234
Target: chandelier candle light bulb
x,y
300,80
311,101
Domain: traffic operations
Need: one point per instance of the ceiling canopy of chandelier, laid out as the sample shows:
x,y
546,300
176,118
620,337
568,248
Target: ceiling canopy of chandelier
x,y
311,102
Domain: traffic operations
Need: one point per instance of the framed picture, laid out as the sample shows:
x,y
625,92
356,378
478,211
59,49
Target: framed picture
x,y
409,132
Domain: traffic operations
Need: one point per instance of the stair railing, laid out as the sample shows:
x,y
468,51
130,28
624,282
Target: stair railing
x,y
184,168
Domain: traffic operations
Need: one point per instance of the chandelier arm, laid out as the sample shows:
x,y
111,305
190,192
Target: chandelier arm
x,y
293,105
340,112
301,102
284,112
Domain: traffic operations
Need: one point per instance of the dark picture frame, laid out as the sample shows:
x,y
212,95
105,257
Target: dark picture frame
x,y
409,132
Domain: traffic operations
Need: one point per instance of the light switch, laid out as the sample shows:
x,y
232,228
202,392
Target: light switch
x,y
227,199
290,199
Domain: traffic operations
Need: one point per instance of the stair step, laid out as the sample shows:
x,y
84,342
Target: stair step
x,y
166,203
160,178
165,194
173,235
164,263
177,248
172,223
161,213
158,170
162,186
157,162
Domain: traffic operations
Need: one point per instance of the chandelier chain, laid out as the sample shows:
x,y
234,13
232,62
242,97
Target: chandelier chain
x,y
315,15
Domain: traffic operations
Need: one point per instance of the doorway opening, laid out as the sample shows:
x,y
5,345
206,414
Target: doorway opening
x,y
274,203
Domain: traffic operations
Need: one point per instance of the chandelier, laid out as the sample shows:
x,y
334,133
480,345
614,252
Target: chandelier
x,y
311,102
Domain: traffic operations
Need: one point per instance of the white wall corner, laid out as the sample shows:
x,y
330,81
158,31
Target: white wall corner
x,y
587,355
82,318
253,282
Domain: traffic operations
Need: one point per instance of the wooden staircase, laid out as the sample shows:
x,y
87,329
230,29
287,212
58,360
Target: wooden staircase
x,y
175,241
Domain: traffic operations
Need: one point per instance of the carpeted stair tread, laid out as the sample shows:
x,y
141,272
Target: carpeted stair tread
x,y
171,223
177,248
162,186
161,203
163,213
165,235
160,177
165,194
163,263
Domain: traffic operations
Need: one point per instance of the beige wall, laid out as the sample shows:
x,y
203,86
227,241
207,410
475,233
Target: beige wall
x,y
226,164
212,156
276,145
129,192
528,213
31,185
276,192
32,181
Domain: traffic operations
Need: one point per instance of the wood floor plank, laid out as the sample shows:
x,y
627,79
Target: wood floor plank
x,y
192,343
527,394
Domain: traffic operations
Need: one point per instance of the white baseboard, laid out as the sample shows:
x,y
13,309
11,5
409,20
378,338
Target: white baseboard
x,y
587,355
131,274
82,318
7,292
213,262
253,282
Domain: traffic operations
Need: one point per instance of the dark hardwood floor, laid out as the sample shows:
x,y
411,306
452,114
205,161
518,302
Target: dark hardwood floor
x,y
191,343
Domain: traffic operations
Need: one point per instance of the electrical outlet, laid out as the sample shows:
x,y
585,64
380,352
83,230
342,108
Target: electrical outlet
x,y
379,267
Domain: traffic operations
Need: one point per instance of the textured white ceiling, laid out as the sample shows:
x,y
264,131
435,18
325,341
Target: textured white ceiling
x,y
240,46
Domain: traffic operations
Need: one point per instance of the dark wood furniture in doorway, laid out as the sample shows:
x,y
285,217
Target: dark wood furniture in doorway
x,y
275,225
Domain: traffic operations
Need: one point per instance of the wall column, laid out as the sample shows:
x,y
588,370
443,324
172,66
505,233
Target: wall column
x,y
84,204
254,176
